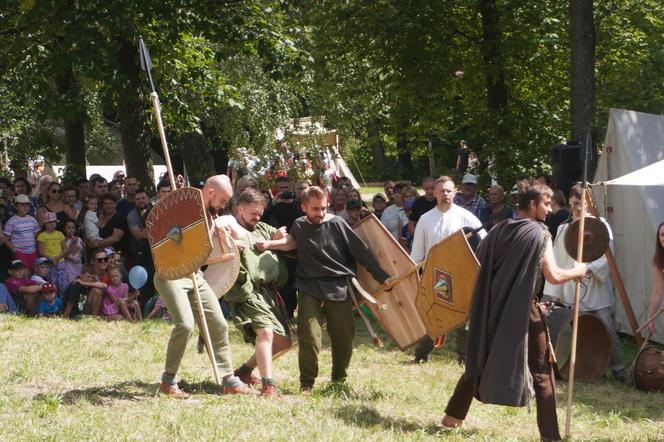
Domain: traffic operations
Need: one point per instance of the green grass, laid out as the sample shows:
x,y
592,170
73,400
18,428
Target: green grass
x,y
90,380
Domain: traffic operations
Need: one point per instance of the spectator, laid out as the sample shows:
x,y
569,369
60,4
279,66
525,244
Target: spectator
x,y
112,225
559,212
498,210
159,310
98,185
51,244
52,203
21,187
6,302
285,207
21,232
44,183
90,221
83,296
138,247
70,198
394,217
379,203
42,273
24,290
338,200
388,187
127,204
300,187
657,293
128,305
425,202
83,189
50,305
463,154
469,200
353,212
115,189
163,189
74,248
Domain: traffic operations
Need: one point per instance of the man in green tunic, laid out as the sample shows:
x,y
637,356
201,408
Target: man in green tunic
x,y
255,303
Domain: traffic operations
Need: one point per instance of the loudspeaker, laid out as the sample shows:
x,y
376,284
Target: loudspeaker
x,y
567,166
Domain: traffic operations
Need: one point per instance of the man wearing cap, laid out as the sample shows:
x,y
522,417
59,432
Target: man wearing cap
x,y
21,232
24,290
353,212
469,200
435,225
379,203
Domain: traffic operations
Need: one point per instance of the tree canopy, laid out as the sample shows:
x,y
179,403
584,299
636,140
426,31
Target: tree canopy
x,y
401,81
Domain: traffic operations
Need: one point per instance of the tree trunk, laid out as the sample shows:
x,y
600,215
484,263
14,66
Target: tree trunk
x,y
582,78
494,68
403,152
134,128
197,157
377,146
73,115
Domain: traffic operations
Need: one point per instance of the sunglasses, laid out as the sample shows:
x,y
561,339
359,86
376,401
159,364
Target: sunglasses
x,y
102,259
56,190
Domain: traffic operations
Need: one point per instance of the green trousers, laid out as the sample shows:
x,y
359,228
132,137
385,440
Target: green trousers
x,y
181,303
340,328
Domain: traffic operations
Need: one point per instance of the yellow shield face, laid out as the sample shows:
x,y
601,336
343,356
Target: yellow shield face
x,y
446,291
178,233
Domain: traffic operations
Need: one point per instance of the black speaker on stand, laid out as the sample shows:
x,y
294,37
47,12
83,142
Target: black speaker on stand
x,y
566,165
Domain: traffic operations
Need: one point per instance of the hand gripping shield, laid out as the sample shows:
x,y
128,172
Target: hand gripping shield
x,y
177,230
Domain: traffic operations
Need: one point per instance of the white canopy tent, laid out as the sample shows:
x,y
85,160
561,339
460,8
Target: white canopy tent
x,y
630,195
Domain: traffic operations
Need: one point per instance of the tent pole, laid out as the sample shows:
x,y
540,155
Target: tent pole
x,y
617,279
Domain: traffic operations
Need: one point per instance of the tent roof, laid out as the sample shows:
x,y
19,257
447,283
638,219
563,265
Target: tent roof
x,y
652,175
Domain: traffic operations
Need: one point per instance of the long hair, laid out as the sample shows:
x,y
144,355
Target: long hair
x,y
658,258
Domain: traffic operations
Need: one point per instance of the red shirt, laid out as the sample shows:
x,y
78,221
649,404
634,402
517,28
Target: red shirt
x,y
13,284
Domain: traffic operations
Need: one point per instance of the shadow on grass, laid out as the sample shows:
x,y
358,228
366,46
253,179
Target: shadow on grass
x,y
128,391
368,417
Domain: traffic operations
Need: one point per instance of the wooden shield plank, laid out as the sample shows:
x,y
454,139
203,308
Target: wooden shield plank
x,y
398,316
446,291
178,233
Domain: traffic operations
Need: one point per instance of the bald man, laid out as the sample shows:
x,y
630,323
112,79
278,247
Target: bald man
x,y
181,303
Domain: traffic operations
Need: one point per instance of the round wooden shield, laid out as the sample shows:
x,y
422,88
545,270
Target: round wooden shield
x,y
177,230
223,264
595,239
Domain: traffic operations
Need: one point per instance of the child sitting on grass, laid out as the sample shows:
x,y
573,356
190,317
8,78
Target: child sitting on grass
x,y
159,310
120,291
50,306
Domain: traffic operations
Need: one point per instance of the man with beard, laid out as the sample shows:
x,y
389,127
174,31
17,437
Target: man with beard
x,y
139,248
258,310
181,303
327,250
508,356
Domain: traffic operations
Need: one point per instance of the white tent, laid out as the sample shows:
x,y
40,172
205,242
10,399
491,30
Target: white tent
x,y
630,195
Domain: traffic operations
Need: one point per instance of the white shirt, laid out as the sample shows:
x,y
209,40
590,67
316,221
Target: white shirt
x,y
394,218
90,227
436,225
596,291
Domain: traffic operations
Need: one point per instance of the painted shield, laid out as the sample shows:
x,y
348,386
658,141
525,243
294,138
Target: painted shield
x,y
446,291
177,230
395,310
223,264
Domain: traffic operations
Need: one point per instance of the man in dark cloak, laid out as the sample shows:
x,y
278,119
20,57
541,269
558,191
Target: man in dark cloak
x,y
508,357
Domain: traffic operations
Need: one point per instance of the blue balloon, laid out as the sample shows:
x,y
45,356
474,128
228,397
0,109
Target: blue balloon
x,y
138,277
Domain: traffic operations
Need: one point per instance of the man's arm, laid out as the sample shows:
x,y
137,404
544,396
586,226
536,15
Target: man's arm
x,y
283,244
417,251
556,275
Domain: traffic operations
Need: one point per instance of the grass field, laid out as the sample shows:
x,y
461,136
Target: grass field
x,y
92,380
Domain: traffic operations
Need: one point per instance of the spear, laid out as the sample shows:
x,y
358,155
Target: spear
x,y
586,152
146,65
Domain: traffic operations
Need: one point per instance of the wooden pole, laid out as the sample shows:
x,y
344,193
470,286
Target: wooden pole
x,y
650,319
201,314
617,279
575,316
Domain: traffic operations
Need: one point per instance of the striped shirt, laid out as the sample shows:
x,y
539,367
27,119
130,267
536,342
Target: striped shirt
x,y
21,233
